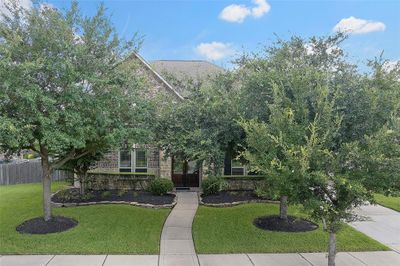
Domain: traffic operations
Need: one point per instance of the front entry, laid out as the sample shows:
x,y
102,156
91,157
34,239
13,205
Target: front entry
x,y
184,173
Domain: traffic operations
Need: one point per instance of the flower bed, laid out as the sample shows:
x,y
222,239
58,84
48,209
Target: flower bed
x,y
228,198
71,197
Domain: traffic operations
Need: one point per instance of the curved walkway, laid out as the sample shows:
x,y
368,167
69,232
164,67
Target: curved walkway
x,y
177,247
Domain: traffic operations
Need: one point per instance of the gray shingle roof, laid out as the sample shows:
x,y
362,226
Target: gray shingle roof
x,y
195,69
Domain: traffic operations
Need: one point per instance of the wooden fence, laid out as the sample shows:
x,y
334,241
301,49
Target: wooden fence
x,y
27,172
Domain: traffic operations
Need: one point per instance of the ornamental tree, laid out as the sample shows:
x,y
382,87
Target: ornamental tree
x,y
299,140
201,127
65,88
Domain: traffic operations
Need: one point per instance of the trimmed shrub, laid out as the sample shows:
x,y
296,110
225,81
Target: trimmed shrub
x,y
160,186
105,194
87,196
213,185
68,195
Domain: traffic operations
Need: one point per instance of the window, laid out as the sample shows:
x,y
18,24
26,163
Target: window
x,y
125,161
141,161
237,168
133,160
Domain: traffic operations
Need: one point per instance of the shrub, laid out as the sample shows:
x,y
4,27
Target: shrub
x,y
68,195
160,186
213,185
105,194
122,192
87,196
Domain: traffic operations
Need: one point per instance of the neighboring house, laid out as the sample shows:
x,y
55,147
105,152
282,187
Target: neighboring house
x,y
148,158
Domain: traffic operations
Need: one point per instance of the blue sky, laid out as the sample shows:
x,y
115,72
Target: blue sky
x,y
217,30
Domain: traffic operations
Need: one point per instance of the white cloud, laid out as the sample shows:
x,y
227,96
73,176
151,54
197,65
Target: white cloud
x,y
238,13
358,26
261,8
26,4
214,50
235,13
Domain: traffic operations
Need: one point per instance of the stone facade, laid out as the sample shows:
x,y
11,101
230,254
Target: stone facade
x,y
103,181
109,163
243,184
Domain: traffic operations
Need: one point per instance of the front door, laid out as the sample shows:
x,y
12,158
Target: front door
x,y
185,173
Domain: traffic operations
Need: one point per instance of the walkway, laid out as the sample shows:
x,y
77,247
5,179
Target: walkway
x,y
177,246
379,258
381,224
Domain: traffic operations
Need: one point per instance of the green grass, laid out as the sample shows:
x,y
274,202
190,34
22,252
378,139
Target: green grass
x,y
111,229
231,230
389,202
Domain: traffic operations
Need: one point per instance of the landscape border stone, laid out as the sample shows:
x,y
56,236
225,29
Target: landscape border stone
x,y
235,203
133,203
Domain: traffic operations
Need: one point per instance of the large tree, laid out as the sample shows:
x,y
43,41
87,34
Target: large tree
x,y
65,86
301,136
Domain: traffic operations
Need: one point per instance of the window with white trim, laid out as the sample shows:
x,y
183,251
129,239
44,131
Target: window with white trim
x,y
133,160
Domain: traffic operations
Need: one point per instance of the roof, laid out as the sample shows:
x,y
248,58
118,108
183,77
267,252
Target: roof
x,y
158,76
195,69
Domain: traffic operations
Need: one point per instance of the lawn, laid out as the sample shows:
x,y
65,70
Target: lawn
x,y
111,229
389,202
230,230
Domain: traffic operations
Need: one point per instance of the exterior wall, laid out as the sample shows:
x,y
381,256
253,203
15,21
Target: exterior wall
x,y
118,181
165,166
109,163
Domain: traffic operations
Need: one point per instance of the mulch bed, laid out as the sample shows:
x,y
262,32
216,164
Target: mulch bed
x,y
72,196
40,226
230,196
293,224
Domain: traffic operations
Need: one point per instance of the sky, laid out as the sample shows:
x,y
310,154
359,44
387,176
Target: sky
x,y
220,30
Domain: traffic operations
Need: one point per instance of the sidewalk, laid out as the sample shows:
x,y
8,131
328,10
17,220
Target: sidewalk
x,y
379,258
381,224
177,246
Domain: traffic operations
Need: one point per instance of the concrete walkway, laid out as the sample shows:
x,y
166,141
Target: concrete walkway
x,y
177,247
379,258
381,224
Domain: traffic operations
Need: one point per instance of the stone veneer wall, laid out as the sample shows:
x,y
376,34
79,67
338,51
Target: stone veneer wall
x,y
243,184
109,162
104,181
165,166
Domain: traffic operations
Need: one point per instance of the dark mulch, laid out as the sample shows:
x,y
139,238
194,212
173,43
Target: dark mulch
x,y
230,196
72,196
40,226
293,224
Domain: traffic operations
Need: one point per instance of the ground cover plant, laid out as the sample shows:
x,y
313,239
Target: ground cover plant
x,y
101,229
231,230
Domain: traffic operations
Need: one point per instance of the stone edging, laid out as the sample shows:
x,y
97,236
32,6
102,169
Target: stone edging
x,y
235,203
133,203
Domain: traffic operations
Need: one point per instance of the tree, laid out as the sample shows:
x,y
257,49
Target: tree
x,y
202,127
65,87
301,138
296,83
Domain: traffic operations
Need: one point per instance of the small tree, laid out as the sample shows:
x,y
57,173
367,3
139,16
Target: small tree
x,y
65,86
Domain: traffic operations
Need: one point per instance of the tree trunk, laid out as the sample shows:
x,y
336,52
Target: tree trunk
x,y
46,184
283,207
332,249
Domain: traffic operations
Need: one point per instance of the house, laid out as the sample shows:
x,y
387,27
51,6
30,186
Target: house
x,y
148,158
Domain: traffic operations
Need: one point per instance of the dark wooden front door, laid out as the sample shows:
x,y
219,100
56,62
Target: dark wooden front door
x,y
184,173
